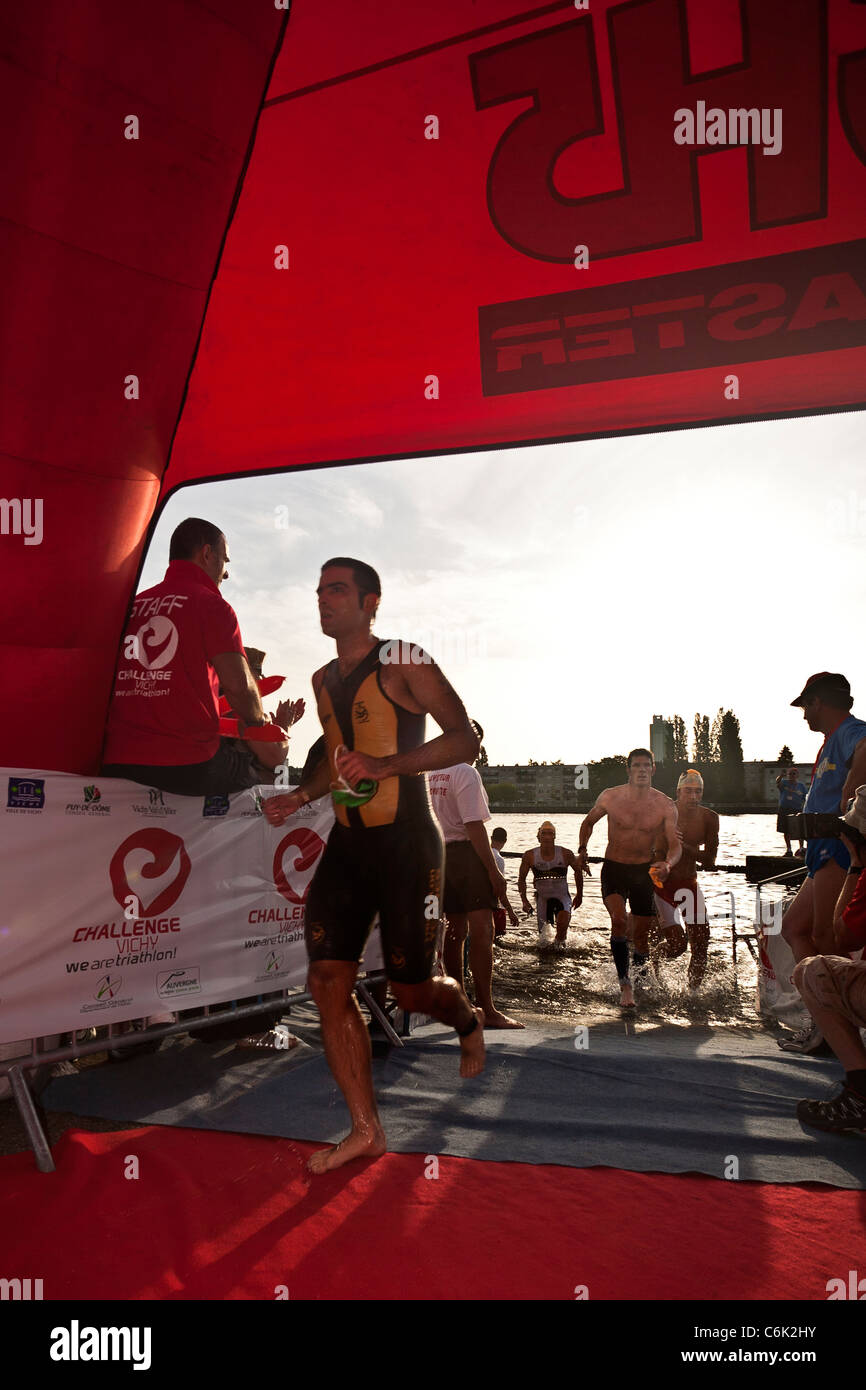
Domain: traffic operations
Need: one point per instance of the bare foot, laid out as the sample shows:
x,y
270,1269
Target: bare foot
x,y
472,1048
626,998
497,1020
358,1144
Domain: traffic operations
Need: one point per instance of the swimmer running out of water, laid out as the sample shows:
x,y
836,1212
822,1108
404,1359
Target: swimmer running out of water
x,y
680,897
385,853
638,816
549,866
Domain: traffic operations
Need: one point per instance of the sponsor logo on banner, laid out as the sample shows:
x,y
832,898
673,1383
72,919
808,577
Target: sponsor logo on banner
x,y
155,805
25,794
256,810
307,847
92,805
215,806
167,852
273,965
173,982
107,995
720,316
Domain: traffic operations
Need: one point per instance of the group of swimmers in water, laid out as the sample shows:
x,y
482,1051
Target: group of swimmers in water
x,y
648,877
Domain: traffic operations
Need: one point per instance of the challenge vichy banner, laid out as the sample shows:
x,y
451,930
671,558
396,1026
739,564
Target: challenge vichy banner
x,y
120,901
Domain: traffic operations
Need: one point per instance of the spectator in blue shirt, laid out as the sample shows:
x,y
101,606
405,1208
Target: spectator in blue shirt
x,y
840,768
792,794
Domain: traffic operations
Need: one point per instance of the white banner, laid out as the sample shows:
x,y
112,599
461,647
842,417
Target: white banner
x,y
120,901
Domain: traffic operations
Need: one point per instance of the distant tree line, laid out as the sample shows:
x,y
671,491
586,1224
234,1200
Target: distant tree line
x,y
717,753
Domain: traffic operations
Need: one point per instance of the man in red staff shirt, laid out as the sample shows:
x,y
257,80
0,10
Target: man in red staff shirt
x,y
181,644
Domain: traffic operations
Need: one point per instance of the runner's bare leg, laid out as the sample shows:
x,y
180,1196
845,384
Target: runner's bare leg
x,y
347,1049
619,924
481,961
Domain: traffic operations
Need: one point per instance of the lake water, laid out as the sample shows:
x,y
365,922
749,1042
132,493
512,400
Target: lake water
x,y
580,985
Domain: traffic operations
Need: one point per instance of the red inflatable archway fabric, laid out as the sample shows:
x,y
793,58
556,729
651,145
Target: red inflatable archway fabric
x,y
447,235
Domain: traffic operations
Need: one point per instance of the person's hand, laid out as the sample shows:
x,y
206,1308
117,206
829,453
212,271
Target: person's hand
x,y
500,887
354,767
661,870
512,916
289,712
525,901
583,862
277,809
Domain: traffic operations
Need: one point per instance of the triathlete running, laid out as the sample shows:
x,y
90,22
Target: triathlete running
x,y
638,815
385,852
549,866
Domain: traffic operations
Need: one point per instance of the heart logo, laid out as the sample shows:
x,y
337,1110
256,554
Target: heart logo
x,y
160,632
165,849
308,847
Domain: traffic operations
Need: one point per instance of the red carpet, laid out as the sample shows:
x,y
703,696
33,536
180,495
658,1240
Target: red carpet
x,y
217,1216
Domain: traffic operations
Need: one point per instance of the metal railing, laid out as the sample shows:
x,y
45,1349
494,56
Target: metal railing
x,y
16,1067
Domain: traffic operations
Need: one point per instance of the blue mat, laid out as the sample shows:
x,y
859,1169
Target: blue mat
x,y
668,1100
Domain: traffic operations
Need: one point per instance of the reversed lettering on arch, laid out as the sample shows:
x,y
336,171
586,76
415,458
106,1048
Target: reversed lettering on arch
x,y
749,311
553,74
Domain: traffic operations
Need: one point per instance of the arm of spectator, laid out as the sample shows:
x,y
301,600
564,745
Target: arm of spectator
x,y
239,687
289,712
849,918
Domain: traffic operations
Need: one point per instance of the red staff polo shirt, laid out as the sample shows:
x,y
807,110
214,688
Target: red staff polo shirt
x,y
164,710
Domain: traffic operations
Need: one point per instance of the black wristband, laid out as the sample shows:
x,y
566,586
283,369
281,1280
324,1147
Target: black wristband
x,y
855,869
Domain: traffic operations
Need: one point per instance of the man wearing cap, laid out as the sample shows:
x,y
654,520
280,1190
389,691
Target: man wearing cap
x,y
792,795
549,866
679,898
834,991
840,768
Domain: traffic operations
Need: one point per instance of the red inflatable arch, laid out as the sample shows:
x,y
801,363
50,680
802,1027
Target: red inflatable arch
x,y
233,241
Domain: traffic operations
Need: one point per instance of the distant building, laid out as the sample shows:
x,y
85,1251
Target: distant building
x,y
550,783
661,731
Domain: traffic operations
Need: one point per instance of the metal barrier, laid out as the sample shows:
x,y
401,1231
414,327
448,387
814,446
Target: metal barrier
x,y
15,1067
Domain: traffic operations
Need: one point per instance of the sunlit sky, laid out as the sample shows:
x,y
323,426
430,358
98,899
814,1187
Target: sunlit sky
x,y
572,591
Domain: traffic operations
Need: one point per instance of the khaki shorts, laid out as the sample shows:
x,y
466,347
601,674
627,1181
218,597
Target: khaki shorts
x,y
834,982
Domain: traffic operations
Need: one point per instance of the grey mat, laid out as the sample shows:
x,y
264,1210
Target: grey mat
x,y
656,1100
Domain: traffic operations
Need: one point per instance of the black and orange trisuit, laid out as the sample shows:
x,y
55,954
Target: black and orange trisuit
x,y
387,855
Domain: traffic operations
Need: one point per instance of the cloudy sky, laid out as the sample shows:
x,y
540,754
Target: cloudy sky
x,y
572,591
